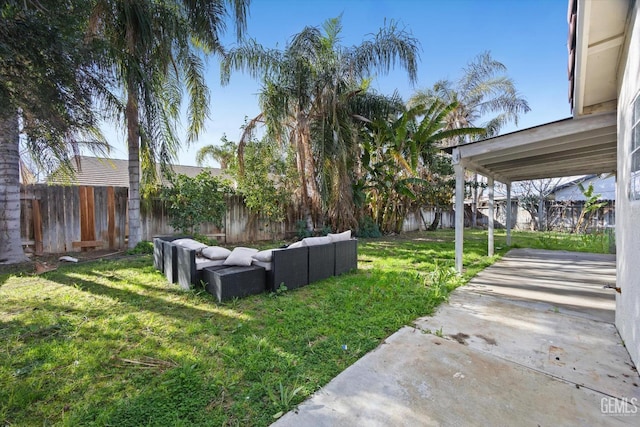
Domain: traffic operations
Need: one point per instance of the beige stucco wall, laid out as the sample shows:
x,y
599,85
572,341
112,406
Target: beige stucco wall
x,y
628,212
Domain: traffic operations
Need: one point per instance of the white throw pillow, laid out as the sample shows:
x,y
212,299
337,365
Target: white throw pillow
x,y
190,244
315,241
264,256
346,235
295,245
215,252
241,256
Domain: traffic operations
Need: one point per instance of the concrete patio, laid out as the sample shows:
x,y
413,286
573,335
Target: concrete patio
x,y
529,341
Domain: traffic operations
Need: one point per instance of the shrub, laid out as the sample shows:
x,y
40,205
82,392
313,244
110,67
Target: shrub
x,y
368,228
141,248
193,201
301,230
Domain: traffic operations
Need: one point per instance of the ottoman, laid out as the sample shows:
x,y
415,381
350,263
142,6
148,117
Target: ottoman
x,y
234,282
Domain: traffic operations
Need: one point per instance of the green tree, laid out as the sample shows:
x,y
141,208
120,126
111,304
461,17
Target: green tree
x,y
591,205
155,49
486,98
267,187
193,201
224,154
308,91
404,164
48,86
268,182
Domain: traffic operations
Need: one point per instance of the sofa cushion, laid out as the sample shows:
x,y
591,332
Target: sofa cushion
x,y
295,245
190,244
215,252
202,262
241,256
264,256
314,241
346,235
266,265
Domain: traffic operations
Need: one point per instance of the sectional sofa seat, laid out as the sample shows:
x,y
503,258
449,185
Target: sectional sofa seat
x,y
285,266
310,260
191,262
243,271
158,249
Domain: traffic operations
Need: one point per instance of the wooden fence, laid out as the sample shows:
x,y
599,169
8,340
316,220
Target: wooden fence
x,y
239,225
57,219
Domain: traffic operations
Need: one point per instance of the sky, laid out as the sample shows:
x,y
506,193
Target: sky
x,y
528,36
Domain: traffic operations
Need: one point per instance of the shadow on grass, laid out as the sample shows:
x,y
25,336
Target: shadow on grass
x,y
136,300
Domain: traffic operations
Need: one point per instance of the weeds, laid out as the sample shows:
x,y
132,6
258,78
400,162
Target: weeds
x,y
282,289
441,281
142,248
283,399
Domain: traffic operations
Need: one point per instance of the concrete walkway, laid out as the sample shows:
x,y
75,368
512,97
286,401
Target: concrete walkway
x,y
529,341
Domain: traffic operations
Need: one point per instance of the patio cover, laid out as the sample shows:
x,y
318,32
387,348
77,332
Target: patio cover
x,y
573,146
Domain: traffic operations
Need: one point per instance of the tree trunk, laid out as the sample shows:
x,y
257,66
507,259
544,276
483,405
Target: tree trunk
x,y
305,208
342,211
424,221
310,186
436,221
11,251
541,223
133,141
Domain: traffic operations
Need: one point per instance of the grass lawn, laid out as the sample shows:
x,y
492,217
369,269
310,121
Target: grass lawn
x,y
111,343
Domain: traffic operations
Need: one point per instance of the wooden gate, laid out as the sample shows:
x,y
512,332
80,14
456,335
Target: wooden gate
x,y
58,219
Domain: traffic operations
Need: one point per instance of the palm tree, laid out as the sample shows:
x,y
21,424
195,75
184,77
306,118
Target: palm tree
x,y
486,98
224,154
404,164
307,88
155,48
48,87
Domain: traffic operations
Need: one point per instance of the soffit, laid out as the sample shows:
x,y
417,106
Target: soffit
x,y
596,43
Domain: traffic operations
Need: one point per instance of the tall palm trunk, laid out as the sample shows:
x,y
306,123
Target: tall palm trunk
x,y
10,240
311,193
133,141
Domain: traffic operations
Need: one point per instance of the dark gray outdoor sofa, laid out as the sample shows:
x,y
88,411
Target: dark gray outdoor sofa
x,y
164,256
292,267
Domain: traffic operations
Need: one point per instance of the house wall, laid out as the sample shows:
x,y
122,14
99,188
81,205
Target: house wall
x,y
628,212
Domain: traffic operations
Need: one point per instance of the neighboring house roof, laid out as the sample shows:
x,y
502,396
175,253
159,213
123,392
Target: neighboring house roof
x,y
96,172
605,187
573,183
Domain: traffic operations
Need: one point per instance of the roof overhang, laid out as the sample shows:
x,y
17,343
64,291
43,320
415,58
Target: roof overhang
x,y
597,31
573,146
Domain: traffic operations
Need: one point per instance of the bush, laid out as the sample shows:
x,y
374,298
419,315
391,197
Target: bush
x,y
368,228
302,231
193,201
142,248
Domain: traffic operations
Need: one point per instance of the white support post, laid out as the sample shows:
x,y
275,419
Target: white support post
x,y
509,210
459,224
491,215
